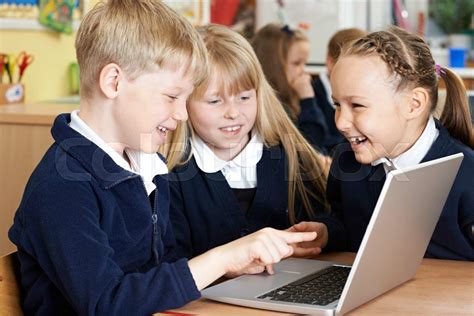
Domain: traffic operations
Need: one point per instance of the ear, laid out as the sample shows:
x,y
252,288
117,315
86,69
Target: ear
x,y
110,79
418,102
329,64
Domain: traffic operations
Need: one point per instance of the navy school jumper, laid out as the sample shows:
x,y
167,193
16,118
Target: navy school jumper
x,y
312,124
205,212
333,137
353,190
89,240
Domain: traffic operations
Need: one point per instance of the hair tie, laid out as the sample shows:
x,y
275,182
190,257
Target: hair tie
x,y
287,30
439,70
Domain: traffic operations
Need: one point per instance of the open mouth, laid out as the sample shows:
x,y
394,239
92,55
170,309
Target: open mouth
x,y
162,130
357,140
231,129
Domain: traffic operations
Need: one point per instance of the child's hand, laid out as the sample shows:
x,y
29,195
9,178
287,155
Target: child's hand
x,y
262,248
310,248
302,86
250,269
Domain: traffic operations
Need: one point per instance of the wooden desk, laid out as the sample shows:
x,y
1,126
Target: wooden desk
x,y
440,287
24,138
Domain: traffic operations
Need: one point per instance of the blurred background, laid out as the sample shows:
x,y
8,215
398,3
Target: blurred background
x,y
46,30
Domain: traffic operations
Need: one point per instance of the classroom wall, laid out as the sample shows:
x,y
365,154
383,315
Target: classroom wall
x,y
47,78
324,18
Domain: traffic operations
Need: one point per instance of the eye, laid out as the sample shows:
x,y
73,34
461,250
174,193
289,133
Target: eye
x,y
213,101
245,97
172,97
357,105
336,104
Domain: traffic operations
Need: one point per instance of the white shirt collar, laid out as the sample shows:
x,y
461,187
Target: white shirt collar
x,y
323,76
144,164
240,172
416,153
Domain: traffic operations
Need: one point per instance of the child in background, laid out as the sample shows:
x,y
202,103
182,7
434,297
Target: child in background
x,y
385,88
322,86
246,166
92,230
283,54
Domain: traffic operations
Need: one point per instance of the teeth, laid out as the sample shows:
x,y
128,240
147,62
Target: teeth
x,y
357,140
163,129
231,129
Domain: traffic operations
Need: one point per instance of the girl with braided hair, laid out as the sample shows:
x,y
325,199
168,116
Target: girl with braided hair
x,y
385,88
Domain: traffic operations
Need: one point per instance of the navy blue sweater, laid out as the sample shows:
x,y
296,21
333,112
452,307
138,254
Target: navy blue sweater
x,y
206,213
89,240
353,190
312,123
332,136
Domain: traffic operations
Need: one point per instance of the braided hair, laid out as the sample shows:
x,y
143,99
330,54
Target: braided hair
x,y
409,59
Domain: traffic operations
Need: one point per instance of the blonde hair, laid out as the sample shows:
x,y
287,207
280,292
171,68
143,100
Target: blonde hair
x,y
232,57
271,45
136,35
408,57
341,38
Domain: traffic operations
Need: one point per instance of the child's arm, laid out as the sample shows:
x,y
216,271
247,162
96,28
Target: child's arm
x,y
178,218
452,237
265,247
329,227
67,240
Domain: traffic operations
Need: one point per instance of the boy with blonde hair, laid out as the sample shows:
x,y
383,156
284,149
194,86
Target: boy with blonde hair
x,y
92,230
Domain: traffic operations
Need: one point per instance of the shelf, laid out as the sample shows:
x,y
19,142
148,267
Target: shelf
x,y
28,24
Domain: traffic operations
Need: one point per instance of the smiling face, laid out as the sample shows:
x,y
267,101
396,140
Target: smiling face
x,y
369,112
223,121
149,106
298,55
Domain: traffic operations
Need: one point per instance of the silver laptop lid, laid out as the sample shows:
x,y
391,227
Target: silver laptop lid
x,y
411,209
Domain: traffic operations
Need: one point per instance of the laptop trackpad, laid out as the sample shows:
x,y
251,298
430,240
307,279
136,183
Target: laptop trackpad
x,y
287,271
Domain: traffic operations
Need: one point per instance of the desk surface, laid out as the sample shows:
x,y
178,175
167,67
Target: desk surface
x,y
439,287
36,114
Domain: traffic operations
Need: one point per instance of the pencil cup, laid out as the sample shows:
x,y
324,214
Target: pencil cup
x,y
12,93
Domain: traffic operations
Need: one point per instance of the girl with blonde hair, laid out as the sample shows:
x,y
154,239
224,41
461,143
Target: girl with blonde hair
x,y
246,166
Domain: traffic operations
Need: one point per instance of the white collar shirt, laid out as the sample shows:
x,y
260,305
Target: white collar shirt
x,y
145,164
240,172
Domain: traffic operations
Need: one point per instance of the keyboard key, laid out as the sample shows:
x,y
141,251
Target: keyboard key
x,y
321,288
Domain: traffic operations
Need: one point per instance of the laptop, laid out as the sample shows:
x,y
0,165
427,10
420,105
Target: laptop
x,y
391,251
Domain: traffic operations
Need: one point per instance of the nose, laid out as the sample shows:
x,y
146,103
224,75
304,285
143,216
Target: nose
x,y
343,118
180,112
301,69
231,111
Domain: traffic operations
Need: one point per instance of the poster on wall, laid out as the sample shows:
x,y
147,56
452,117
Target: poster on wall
x,y
58,15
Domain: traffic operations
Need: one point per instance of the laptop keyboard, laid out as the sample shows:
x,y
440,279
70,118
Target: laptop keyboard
x,y
320,288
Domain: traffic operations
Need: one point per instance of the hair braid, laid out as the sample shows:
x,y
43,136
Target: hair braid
x,y
408,56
